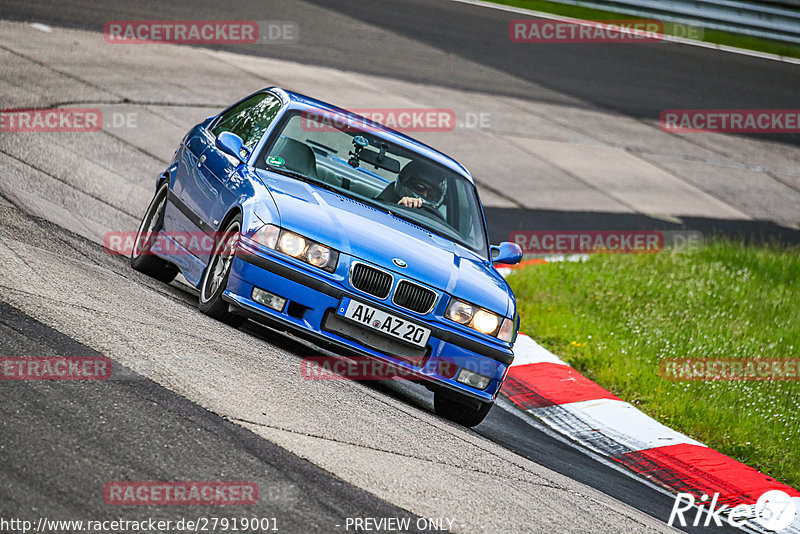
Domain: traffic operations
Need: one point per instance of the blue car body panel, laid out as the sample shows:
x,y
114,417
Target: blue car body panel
x,y
206,186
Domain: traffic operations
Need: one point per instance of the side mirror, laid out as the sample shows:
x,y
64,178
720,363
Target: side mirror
x,y
232,144
506,253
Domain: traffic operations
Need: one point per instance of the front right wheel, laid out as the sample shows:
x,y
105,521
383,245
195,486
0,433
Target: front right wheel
x,y
142,257
459,412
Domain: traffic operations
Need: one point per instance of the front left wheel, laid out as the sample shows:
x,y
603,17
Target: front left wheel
x,y
215,278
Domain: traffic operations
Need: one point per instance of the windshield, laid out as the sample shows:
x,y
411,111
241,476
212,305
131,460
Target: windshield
x,y
356,162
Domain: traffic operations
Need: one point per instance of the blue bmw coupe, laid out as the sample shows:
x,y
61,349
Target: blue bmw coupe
x,y
342,231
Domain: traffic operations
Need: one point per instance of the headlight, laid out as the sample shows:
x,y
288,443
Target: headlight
x,y
478,319
297,246
485,322
292,244
267,236
318,255
460,312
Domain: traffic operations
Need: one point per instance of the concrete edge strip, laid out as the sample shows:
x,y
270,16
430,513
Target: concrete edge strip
x,y
669,38
544,386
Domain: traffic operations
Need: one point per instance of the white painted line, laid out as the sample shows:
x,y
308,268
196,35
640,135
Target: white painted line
x,y
42,27
610,426
670,38
526,350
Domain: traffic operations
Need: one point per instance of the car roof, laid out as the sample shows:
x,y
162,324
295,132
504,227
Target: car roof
x,y
305,103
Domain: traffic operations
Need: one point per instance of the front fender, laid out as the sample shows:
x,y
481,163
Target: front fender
x,y
259,207
169,173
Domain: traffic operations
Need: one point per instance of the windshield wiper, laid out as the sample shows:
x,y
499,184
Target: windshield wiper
x,y
371,204
450,236
410,220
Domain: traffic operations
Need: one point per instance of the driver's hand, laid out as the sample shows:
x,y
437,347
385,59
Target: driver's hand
x,y
411,202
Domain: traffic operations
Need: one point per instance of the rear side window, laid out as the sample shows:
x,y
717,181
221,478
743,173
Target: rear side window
x,y
250,118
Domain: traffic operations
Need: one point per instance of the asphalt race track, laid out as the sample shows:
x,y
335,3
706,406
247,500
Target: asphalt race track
x,y
193,399
131,427
447,40
466,48
63,441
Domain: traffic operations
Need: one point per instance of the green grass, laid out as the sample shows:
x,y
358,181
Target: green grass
x,y
710,36
615,317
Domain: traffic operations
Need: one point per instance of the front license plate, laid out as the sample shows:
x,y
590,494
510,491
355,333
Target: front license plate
x,y
383,322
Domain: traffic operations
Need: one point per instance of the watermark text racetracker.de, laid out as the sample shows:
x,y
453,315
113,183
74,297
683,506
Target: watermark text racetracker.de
x,y
180,493
230,32
354,367
193,524
540,242
55,368
568,31
407,120
731,369
75,120
37,120
730,120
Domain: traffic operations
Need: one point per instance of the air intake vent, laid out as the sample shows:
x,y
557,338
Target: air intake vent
x,y
413,297
371,280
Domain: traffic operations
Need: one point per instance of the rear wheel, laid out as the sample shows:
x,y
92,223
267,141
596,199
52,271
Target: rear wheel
x,y
142,259
215,278
459,412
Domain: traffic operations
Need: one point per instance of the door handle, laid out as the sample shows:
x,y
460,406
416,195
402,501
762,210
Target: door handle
x,y
201,160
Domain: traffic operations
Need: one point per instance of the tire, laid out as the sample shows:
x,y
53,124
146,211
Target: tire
x,y
458,412
215,277
141,258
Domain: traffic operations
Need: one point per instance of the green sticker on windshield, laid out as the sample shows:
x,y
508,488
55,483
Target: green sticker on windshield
x,y
276,161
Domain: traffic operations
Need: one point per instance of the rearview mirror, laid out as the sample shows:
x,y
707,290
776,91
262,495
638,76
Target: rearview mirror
x,y
377,159
506,253
232,144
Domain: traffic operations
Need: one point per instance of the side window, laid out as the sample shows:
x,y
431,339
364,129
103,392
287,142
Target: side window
x,y
255,122
249,119
229,118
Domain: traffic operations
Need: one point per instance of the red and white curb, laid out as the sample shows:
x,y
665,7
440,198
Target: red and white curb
x,y
544,386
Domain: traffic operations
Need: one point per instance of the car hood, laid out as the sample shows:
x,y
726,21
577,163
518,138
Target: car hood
x,y
372,235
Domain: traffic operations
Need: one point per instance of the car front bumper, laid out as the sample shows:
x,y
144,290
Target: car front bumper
x,y
312,298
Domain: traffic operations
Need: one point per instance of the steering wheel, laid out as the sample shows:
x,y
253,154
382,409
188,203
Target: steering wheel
x,y
434,211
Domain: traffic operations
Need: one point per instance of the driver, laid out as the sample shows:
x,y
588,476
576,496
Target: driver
x,y
418,183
